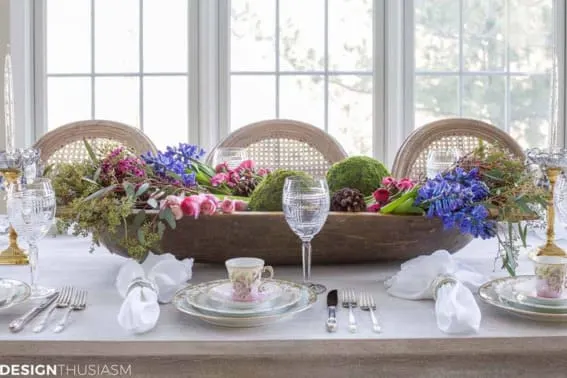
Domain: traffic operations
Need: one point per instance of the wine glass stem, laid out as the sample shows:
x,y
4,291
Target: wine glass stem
x,y
33,258
306,256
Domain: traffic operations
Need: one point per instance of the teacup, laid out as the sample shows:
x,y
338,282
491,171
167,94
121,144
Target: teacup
x,y
550,272
245,273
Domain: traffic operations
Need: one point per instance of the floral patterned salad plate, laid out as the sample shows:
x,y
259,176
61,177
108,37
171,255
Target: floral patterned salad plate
x,y
307,298
220,294
501,293
208,298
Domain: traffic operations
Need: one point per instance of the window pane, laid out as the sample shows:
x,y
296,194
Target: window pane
x,y
531,35
350,112
303,98
165,110
117,36
437,35
350,35
68,36
117,99
68,100
253,98
302,35
435,97
484,44
530,108
484,98
252,43
165,35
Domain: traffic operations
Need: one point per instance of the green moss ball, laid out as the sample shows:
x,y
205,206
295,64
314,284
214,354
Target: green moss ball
x,y
268,194
357,172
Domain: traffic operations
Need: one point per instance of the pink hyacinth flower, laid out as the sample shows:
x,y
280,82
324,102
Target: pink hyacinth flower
x,y
219,179
405,184
387,181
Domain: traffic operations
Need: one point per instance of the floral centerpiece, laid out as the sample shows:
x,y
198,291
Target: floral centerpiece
x,y
99,196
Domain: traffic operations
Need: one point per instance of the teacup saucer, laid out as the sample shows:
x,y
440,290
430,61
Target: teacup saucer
x,y
525,291
222,294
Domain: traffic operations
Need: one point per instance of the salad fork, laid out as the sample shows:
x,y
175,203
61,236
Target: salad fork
x,y
63,301
367,304
79,302
349,301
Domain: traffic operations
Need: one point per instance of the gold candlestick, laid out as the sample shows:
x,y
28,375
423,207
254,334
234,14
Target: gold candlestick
x,y
13,255
550,248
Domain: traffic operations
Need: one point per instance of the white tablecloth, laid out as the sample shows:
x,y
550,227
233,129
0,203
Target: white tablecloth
x,y
66,261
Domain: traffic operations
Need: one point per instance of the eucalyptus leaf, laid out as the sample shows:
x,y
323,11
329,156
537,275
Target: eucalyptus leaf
x,y
90,180
100,193
141,236
142,189
152,203
129,188
167,215
161,229
139,219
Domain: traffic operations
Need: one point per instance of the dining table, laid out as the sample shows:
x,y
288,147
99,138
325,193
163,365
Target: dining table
x,y
410,344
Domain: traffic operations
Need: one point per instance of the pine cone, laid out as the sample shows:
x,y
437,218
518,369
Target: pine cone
x,y
348,199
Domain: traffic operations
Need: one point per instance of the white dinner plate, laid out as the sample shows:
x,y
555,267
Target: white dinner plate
x,y
307,299
490,293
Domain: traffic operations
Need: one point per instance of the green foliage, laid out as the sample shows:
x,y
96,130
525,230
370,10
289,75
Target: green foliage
x,y
268,194
70,181
356,172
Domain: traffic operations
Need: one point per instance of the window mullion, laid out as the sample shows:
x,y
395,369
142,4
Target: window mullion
x,y
559,97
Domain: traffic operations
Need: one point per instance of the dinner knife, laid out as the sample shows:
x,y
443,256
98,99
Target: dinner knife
x,y
18,324
332,301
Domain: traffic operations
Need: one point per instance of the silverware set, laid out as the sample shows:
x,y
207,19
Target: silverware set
x,y
350,300
68,298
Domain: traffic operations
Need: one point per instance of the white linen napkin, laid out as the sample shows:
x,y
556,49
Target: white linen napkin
x,y
144,286
441,277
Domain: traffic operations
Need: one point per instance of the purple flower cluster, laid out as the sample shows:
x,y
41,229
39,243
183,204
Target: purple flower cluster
x,y
119,165
175,163
456,198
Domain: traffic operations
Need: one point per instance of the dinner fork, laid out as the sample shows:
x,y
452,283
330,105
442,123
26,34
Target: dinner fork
x,y
366,302
349,301
79,302
63,301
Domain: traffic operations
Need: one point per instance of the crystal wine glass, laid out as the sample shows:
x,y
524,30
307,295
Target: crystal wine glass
x,y
232,156
306,207
31,211
439,161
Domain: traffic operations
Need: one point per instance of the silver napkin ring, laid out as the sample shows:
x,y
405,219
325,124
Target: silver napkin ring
x,y
440,281
142,283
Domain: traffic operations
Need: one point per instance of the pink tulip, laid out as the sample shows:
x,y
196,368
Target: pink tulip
x,y
240,205
387,181
219,179
191,206
221,168
381,195
208,206
405,184
227,206
374,208
247,164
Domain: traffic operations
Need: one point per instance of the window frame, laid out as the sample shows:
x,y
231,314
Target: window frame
x,y
209,75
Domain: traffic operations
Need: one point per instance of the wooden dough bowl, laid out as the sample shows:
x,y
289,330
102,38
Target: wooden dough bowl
x,y
345,238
